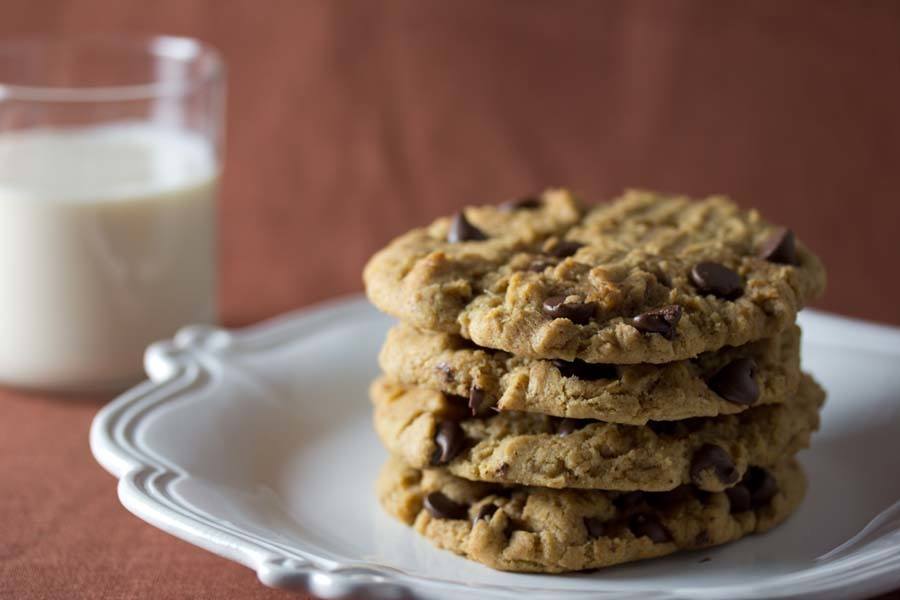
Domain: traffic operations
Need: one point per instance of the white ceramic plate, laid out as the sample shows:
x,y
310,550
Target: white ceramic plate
x,y
257,445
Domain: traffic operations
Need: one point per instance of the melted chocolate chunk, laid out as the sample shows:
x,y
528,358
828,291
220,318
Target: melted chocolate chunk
x,y
780,247
579,313
718,280
736,383
739,498
463,231
659,320
762,486
486,512
456,408
450,440
476,397
713,458
647,524
565,248
442,507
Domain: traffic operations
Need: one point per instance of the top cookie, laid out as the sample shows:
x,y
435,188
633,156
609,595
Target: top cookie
x,y
648,278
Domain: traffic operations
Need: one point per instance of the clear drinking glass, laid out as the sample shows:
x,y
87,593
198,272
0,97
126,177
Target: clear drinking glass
x,y
110,153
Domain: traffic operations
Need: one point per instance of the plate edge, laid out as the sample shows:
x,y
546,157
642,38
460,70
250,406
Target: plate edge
x,y
173,366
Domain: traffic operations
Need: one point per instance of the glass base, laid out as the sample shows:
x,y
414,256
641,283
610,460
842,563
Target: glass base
x,y
79,390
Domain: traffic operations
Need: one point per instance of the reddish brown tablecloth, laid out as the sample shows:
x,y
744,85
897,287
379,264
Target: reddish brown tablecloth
x,y
351,121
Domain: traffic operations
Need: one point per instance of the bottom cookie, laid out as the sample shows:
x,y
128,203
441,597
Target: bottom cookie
x,y
542,530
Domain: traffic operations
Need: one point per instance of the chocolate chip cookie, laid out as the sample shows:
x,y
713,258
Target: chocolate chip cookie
x,y
646,279
725,381
429,428
542,530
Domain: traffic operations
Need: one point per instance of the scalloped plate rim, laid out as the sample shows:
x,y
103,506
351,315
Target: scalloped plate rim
x,y
173,372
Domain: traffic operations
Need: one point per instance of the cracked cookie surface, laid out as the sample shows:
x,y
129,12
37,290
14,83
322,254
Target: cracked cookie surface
x,y
425,428
648,278
629,394
550,531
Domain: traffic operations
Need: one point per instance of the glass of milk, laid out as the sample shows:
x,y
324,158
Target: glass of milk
x,y
110,154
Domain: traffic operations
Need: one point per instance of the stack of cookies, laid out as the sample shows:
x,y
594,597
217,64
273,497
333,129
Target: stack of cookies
x,y
574,388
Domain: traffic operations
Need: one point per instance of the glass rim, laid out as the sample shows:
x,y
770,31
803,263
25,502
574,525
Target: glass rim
x,y
182,49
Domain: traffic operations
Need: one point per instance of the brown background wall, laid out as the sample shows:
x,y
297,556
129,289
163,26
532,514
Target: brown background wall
x,y
350,122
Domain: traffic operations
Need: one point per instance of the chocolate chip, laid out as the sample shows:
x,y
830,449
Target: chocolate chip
x,y
442,507
718,280
646,524
587,371
502,470
463,231
659,320
702,539
739,498
780,247
526,203
714,458
476,398
735,382
446,370
595,527
567,426
579,313
456,408
565,248
456,400
486,512
450,440
762,486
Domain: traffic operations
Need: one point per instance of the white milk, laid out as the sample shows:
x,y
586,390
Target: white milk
x,y
107,243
